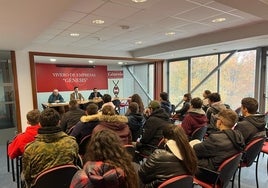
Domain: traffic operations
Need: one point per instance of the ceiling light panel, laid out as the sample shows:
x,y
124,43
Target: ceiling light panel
x,y
88,20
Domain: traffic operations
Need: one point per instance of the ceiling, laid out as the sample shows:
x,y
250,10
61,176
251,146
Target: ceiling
x,y
133,29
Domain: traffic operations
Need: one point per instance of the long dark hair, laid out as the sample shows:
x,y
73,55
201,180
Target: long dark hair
x,y
177,134
106,146
136,98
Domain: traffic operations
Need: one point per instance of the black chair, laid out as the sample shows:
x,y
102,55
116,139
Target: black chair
x,y
184,181
251,155
199,133
60,177
10,162
83,145
218,179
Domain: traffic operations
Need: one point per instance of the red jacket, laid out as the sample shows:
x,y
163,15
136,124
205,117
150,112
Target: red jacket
x,y
16,147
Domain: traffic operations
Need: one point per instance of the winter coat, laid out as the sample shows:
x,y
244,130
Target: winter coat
x,y
16,147
98,175
217,147
162,165
251,125
70,118
116,123
214,109
51,148
135,123
194,119
167,106
181,112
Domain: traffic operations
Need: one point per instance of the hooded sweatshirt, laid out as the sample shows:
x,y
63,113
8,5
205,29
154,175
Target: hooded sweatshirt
x,y
217,147
194,119
251,125
116,123
135,123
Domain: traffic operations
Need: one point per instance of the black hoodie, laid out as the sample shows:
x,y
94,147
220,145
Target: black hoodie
x,y
135,123
249,126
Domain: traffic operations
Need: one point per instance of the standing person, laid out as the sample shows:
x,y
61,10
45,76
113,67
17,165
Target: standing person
x,y
152,134
16,147
76,95
72,117
205,100
55,97
252,123
95,94
135,121
52,147
107,164
219,145
177,158
165,104
195,118
185,106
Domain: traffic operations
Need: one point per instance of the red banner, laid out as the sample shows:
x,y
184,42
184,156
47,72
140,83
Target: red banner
x,y
50,76
115,74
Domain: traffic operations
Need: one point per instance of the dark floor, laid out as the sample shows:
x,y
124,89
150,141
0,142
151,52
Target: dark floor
x,y
247,174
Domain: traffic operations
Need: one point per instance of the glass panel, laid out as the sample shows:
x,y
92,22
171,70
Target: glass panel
x,y
237,78
201,67
178,80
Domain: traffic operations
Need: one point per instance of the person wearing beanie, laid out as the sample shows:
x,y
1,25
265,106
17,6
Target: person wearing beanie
x,y
52,147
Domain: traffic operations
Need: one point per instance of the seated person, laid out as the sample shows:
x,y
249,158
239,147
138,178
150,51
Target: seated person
x,y
103,167
177,158
185,107
72,117
135,120
195,118
51,147
76,95
220,145
95,94
252,123
55,97
86,124
165,104
205,106
152,134
117,123
16,147
107,101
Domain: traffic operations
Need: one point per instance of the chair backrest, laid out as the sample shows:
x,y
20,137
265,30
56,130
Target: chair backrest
x,y
251,151
60,177
185,181
83,144
199,133
227,169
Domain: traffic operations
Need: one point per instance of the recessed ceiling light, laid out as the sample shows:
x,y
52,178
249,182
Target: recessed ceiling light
x,y
120,63
74,34
170,33
90,61
139,1
52,60
218,20
138,42
99,22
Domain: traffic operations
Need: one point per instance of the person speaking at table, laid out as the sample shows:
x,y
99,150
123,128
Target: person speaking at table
x,y
55,97
76,95
95,94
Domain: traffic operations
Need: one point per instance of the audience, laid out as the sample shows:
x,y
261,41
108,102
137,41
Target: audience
x,y
220,145
253,124
195,118
76,95
165,104
107,101
72,117
135,121
95,94
178,158
52,147
215,106
107,164
185,107
55,97
16,147
136,98
205,100
157,119
116,123
86,124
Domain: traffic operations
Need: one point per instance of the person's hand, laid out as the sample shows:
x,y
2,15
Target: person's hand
x,y
147,112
